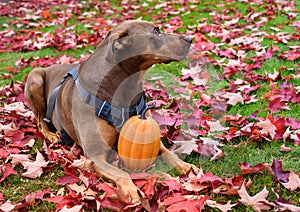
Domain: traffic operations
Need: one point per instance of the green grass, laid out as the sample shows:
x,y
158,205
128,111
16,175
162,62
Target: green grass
x,y
16,187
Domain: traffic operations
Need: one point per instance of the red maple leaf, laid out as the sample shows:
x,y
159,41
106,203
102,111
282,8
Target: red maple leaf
x,y
292,55
67,179
247,168
280,124
61,201
277,103
173,184
147,185
6,151
191,203
278,173
110,198
7,170
207,180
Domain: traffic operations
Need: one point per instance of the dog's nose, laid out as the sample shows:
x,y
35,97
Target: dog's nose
x,y
188,39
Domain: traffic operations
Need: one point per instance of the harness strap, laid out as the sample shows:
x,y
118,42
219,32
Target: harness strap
x,y
50,108
114,115
52,99
65,137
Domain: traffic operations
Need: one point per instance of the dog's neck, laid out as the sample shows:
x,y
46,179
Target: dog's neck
x,y
120,85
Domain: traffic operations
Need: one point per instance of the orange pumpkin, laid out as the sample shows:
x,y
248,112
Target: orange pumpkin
x,y
139,141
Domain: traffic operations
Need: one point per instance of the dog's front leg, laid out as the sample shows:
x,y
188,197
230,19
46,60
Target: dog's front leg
x,y
125,188
171,159
97,143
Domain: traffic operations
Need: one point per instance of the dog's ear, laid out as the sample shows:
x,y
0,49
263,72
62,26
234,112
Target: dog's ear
x,y
117,42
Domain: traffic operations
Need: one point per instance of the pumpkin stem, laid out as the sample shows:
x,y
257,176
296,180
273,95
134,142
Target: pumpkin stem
x,y
143,114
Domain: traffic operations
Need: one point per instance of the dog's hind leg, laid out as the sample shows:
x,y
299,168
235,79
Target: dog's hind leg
x,y
35,95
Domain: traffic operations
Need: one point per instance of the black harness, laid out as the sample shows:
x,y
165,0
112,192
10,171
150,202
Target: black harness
x,y
114,115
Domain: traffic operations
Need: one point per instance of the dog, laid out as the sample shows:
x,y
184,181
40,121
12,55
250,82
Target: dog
x,y
94,99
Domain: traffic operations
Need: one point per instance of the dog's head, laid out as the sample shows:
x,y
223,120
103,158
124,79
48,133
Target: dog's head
x,y
142,44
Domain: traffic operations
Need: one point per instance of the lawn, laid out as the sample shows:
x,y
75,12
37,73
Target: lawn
x,y
231,108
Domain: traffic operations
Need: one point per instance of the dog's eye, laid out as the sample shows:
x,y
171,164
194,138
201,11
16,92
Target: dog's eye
x,y
156,30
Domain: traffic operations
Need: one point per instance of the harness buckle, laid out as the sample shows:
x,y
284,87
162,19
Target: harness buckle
x,y
47,120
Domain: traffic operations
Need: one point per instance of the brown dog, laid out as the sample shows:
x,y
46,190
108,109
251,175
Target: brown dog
x,y
111,76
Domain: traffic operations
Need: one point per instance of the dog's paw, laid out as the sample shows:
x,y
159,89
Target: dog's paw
x,y
184,167
129,193
195,168
52,137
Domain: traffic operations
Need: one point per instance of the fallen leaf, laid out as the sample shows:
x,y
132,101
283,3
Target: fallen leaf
x,y
286,134
83,163
85,192
215,126
279,174
76,208
222,207
293,181
219,154
68,178
277,103
286,207
247,168
172,183
7,206
257,202
267,128
273,76
18,158
34,169
234,98
177,202
1,198
184,147
284,148
8,170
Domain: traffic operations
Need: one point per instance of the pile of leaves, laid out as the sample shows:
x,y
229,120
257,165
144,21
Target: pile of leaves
x,y
82,189
196,112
